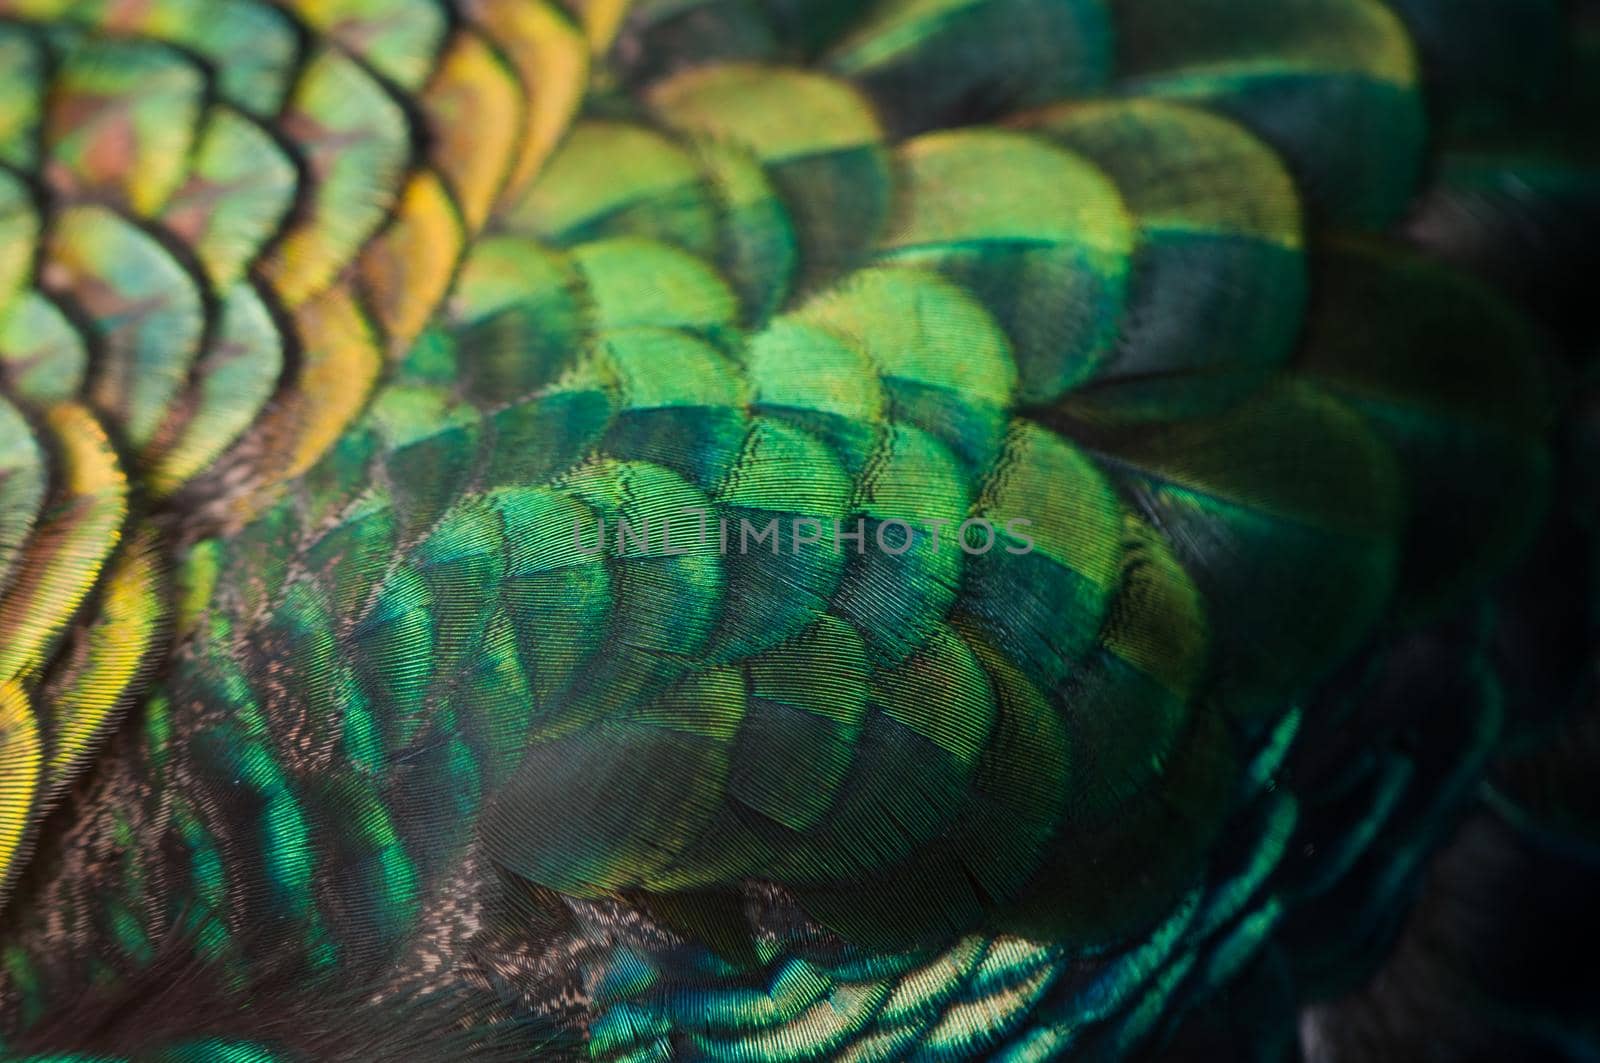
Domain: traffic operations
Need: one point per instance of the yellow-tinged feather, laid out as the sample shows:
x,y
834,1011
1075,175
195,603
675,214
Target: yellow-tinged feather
x,y
131,615
1352,36
339,366
37,8
474,110
552,59
408,267
67,551
1229,181
601,19
338,370
197,581
354,136
1050,195
757,106
20,758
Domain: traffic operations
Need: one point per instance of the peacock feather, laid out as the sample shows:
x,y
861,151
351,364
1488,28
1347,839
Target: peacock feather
x,y
756,530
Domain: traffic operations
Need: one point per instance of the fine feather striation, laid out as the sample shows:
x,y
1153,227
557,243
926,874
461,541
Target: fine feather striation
x,y
214,231
1105,279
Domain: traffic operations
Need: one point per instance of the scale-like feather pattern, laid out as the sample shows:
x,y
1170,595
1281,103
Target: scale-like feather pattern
x,y
739,529
166,160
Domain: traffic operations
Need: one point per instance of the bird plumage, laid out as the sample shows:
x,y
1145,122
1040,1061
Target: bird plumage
x,y
1160,425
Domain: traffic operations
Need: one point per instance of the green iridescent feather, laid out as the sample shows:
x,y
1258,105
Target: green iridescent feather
x,y
942,529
